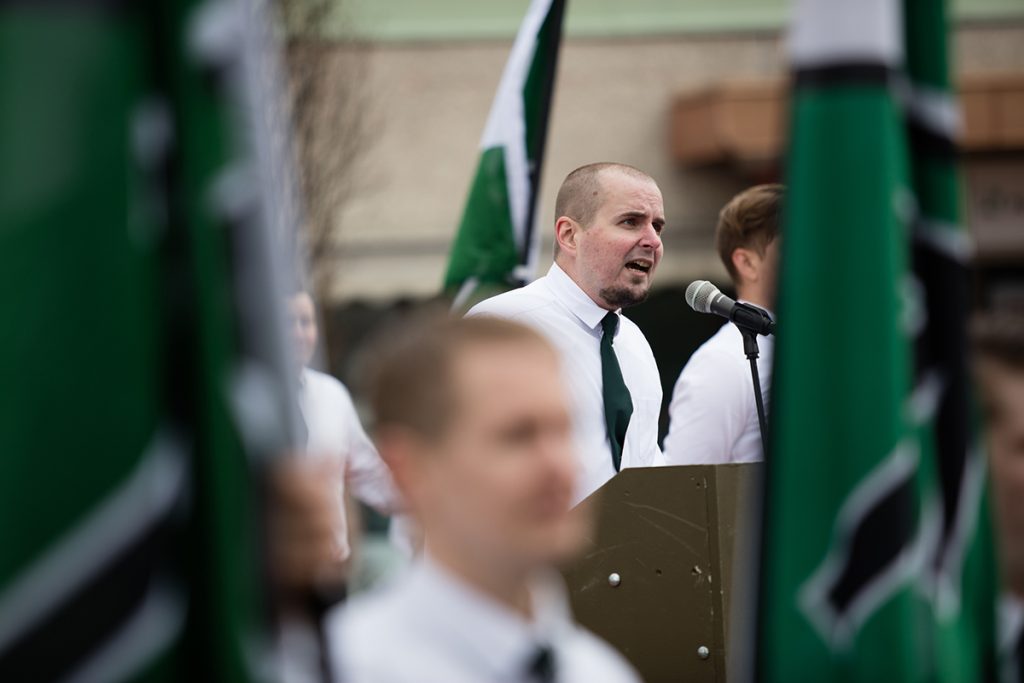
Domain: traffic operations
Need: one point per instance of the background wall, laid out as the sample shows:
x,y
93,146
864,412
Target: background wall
x,y
425,84
420,77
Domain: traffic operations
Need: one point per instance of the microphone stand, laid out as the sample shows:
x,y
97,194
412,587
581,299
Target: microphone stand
x,y
750,348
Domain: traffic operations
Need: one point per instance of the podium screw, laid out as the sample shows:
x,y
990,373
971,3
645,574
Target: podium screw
x,y
703,652
614,579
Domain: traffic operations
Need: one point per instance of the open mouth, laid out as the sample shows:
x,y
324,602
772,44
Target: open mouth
x,y
640,266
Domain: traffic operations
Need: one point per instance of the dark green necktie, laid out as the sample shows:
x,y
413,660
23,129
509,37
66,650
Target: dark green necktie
x,y
618,405
542,666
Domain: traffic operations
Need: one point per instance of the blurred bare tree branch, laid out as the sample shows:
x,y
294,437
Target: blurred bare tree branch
x,y
328,112
304,17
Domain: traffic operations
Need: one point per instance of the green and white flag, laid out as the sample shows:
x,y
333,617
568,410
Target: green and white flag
x,y
137,399
93,477
877,560
959,574
495,247
841,542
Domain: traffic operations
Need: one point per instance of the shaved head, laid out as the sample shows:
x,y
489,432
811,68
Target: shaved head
x,y
608,223
580,196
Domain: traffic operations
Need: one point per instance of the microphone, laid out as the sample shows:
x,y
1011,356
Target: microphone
x,y
704,297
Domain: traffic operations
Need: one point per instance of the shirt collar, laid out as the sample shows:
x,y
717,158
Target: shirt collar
x,y
569,294
771,313
501,641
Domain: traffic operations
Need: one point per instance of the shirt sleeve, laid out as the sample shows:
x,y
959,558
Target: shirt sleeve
x,y
367,477
707,414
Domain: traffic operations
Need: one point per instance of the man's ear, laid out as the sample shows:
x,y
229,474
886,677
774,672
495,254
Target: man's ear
x,y
566,232
400,449
747,263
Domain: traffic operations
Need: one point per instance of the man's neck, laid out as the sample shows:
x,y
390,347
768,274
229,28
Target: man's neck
x,y
753,295
506,586
571,274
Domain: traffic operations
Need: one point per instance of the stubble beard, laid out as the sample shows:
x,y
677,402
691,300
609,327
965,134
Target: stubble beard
x,y
623,297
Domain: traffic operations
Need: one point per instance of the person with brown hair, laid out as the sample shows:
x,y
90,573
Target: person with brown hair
x,y
998,341
608,223
713,413
472,418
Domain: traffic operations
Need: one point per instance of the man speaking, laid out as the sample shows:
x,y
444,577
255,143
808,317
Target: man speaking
x,y
608,223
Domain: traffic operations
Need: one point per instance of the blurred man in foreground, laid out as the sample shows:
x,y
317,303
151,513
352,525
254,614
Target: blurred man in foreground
x,y
713,414
608,223
998,340
473,420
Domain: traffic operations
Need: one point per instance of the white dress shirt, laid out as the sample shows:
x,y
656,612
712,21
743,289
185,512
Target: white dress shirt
x,y
335,432
713,415
430,627
559,309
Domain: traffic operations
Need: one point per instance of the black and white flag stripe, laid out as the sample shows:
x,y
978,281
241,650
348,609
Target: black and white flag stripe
x,y
100,590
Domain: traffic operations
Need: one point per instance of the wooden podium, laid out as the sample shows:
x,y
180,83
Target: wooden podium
x,y
657,580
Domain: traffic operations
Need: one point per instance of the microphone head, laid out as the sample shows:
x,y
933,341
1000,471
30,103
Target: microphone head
x,y
699,295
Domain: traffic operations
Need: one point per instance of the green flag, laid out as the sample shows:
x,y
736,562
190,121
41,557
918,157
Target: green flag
x,y
495,247
841,539
877,562
959,574
136,398
220,384
92,475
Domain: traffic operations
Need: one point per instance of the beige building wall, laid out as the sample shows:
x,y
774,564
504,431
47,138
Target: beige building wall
x,y
425,106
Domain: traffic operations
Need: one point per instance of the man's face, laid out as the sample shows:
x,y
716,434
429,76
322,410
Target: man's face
x,y
499,484
302,323
617,254
1003,391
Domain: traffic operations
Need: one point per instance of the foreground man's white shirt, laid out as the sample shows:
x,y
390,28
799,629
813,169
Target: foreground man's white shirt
x,y
556,306
713,415
429,627
335,432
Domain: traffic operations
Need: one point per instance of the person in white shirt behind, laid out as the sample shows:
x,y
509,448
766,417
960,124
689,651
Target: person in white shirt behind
x,y
472,418
336,444
308,545
713,413
608,223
